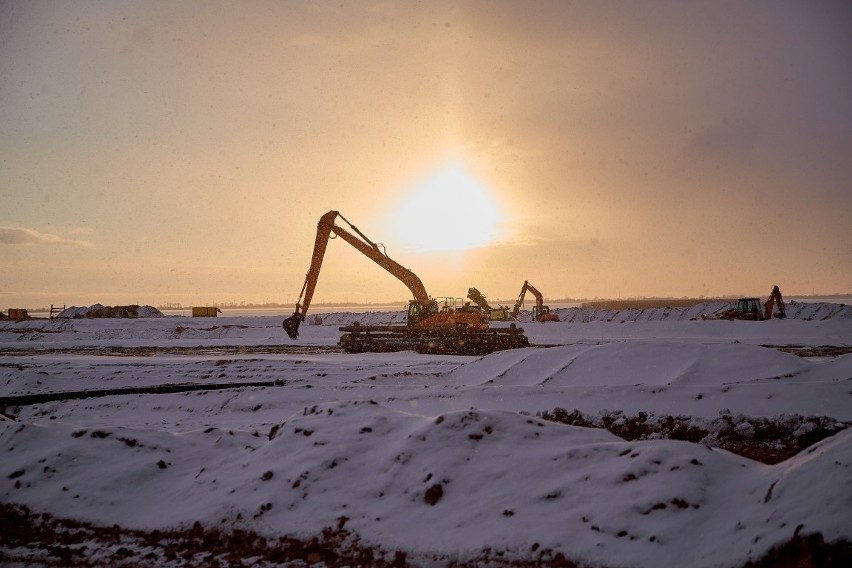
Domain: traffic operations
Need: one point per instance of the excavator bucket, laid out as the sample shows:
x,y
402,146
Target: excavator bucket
x,y
291,325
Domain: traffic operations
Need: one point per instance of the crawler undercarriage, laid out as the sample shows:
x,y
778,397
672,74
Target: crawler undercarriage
x,y
446,341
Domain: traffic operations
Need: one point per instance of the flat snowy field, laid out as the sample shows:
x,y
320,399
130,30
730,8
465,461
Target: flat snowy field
x,y
445,459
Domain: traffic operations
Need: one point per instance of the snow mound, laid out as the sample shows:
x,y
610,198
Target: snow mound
x,y
473,477
639,363
706,310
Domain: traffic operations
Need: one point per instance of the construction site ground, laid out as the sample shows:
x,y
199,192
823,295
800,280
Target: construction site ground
x,y
200,442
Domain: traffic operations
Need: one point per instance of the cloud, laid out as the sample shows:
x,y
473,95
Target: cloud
x,y
23,236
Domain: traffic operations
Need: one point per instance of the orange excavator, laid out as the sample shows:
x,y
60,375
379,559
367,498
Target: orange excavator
x,y
431,326
749,308
540,312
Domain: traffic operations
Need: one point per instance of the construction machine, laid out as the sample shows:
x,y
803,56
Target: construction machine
x,y
540,312
494,314
431,326
750,308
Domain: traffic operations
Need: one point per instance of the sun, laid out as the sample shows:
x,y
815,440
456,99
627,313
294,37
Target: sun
x,y
449,210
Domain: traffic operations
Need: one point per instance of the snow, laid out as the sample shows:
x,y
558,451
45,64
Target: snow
x,y
372,437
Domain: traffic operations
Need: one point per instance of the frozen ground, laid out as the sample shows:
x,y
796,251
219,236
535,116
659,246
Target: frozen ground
x,y
406,459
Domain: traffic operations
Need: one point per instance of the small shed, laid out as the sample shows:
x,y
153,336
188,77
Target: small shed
x,y
18,314
205,311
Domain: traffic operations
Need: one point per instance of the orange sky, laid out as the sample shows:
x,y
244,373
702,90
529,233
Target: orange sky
x,y
157,152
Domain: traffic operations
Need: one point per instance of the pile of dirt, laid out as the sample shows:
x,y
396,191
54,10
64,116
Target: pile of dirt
x,y
100,311
767,440
30,538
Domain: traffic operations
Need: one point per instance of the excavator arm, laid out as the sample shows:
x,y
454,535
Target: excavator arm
x,y
325,229
517,308
477,298
774,299
495,314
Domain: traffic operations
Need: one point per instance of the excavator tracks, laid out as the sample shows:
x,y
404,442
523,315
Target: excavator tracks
x,y
437,341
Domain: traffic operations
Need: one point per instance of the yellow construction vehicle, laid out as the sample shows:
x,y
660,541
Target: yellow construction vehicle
x,y
750,308
432,326
494,314
540,312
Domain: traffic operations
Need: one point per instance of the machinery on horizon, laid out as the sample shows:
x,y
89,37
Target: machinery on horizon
x,y
540,312
432,325
494,314
750,308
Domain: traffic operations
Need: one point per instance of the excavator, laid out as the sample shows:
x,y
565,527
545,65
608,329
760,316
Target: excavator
x,y
431,327
494,314
540,312
749,308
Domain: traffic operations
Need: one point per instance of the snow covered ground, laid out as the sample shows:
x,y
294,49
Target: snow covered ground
x,y
444,458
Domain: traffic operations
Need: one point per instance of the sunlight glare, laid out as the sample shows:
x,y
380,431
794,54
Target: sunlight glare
x,y
448,211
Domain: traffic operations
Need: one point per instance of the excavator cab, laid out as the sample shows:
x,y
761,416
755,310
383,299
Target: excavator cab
x,y
445,312
538,312
750,308
543,314
418,311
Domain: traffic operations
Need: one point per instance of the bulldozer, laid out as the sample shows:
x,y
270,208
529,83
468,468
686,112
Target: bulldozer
x,y
753,309
540,312
443,326
494,314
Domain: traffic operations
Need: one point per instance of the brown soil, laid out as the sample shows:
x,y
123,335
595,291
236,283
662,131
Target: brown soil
x,y
767,440
41,539
814,351
32,539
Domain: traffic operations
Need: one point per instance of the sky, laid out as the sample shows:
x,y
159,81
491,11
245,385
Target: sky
x,y
155,152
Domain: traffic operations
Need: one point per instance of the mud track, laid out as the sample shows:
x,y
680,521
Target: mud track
x,y
119,351
42,398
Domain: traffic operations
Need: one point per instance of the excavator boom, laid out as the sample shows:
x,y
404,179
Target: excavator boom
x,y
477,298
325,228
494,314
774,299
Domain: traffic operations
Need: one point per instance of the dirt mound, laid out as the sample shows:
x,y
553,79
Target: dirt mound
x,y
100,311
29,538
767,440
